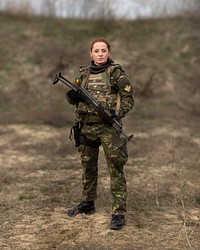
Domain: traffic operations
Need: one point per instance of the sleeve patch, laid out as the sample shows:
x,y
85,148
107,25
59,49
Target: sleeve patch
x,y
128,88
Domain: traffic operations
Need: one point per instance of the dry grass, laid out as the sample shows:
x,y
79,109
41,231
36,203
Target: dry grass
x,y
40,174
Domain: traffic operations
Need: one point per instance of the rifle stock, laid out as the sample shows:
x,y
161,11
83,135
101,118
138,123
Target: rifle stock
x,y
95,104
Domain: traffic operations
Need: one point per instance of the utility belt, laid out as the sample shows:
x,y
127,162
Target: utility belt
x,y
81,139
91,123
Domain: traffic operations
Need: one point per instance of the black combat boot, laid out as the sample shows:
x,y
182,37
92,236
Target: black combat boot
x,y
86,207
117,221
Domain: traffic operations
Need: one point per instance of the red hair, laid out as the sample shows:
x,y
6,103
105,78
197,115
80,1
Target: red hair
x,y
100,39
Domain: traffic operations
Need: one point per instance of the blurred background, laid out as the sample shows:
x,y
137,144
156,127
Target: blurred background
x,y
95,9
156,41
158,44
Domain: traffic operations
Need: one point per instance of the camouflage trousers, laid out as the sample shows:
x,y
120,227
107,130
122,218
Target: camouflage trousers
x,y
116,154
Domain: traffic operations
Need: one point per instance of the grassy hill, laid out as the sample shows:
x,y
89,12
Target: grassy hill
x,y
40,170
161,58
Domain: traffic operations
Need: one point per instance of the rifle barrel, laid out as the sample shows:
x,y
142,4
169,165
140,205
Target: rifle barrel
x,y
90,100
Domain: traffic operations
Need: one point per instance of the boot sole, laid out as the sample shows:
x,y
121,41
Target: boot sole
x,y
116,228
70,214
89,212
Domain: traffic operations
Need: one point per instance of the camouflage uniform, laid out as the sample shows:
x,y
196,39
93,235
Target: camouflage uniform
x,y
104,87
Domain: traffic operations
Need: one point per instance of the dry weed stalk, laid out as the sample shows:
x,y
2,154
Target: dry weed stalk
x,y
184,222
157,201
184,215
3,178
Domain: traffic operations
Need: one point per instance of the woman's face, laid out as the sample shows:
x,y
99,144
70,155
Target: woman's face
x,y
99,53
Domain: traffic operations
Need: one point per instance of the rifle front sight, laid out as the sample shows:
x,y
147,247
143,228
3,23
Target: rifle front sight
x,y
56,78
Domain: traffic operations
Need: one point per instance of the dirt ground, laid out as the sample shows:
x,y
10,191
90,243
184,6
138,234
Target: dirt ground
x,y
40,178
40,171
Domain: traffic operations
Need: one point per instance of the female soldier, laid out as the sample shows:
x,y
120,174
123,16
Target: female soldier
x,y
109,85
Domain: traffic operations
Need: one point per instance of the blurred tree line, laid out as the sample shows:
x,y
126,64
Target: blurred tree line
x,y
102,9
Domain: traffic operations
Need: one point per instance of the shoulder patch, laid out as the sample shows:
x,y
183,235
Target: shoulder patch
x,y
128,88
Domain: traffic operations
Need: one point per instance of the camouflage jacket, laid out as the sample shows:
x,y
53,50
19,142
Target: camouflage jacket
x,y
118,81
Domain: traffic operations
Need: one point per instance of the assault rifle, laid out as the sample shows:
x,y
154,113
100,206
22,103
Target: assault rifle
x,y
85,95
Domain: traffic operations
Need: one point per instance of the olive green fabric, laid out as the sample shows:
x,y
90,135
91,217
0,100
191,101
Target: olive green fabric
x,y
104,87
116,153
108,83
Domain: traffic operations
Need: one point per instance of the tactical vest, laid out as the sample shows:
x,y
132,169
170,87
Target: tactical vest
x,y
103,88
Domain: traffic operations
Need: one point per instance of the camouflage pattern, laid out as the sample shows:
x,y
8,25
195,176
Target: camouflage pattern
x,y
99,87
104,87
115,150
